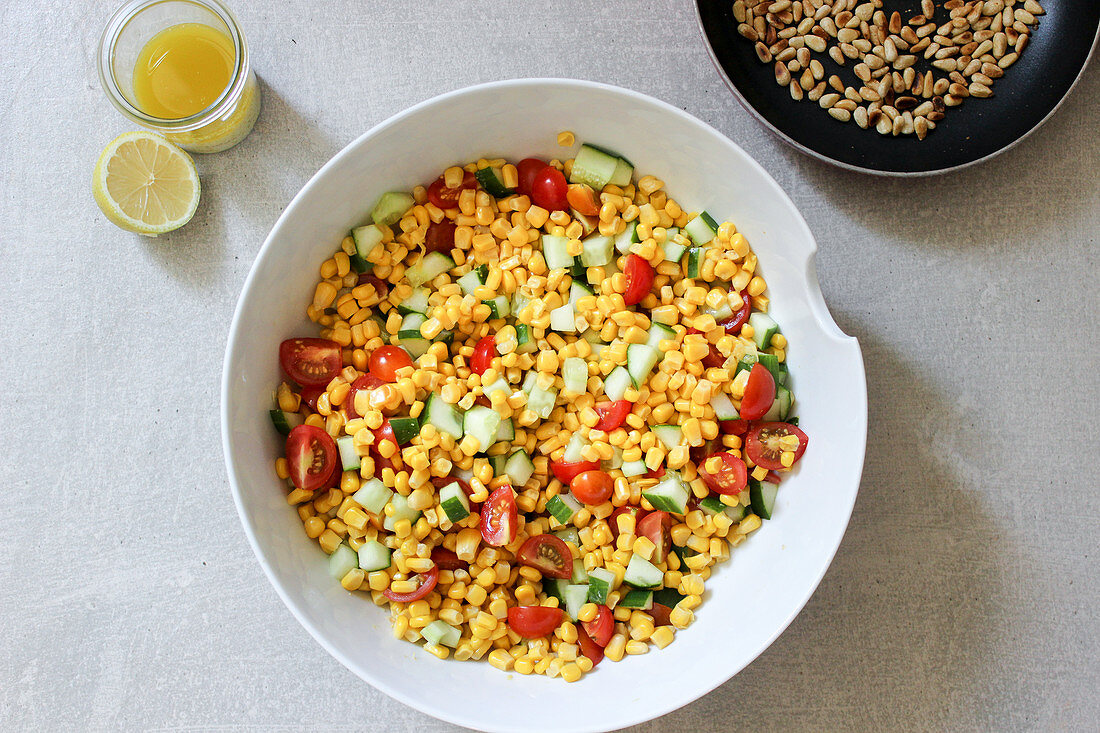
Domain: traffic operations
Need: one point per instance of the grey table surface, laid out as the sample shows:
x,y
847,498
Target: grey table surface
x,y
965,595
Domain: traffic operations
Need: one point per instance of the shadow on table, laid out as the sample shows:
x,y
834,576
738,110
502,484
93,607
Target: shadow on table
x,y
253,180
908,610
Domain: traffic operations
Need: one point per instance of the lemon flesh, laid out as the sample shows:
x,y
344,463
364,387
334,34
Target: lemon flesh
x,y
145,184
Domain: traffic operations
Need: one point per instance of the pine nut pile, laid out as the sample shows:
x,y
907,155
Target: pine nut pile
x,y
962,46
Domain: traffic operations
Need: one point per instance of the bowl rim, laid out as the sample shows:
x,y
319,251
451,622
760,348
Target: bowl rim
x,y
816,304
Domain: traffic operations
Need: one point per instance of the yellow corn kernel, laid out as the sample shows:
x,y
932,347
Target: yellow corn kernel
x,y
570,672
615,648
680,617
636,647
353,579
501,659
329,541
663,636
566,138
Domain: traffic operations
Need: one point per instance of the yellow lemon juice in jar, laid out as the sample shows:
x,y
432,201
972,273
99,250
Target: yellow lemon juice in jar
x,y
182,70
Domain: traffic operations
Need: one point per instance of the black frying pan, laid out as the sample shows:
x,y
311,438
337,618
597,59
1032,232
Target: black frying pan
x,y
1030,91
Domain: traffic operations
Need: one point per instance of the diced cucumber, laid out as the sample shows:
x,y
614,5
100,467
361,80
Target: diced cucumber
x,y
541,401
570,534
519,302
597,250
763,327
593,167
627,237
712,505
723,407
525,344
453,502
285,421
580,575
563,319
640,360
474,279
555,250
574,447
771,363
762,497
366,238
781,407
634,468
669,494
616,460
669,435
507,431
492,180
600,581
404,429
659,332
500,385
574,372
721,313
431,266
497,464
401,510
416,347
702,229
623,171
667,597
373,495
519,468
617,383
640,599
555,587
574,596
373,555
417,302
562,507
737,513
391,207
673,250
693,263
499,307
529,381
443,416
578,290
342,561
783,375
348,457
482,423
410,326
641,573
440,632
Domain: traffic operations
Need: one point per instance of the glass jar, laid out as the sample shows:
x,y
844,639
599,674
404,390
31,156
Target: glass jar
x,y
220,126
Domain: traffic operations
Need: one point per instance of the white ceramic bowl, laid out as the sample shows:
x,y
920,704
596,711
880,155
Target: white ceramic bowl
x,y
769,578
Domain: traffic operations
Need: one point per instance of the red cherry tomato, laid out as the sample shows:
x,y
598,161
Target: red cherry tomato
x,y
602,627
310,395
589,648
311,456
730,477
655,473
592,487
447,560
386,360
447,198
310,362
549,188
499,517
527,169
613,520
660,614
380,286
547,554
612,414
531,622
733,427
583,199
759,393
639,279
483,354
440,481
566,472
656,526
440,237
762,444
734,323
427,584
365,383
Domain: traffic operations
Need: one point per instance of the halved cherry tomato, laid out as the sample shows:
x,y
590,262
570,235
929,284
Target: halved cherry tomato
x,y
447,198
773,477
583,199
612,414
427,584
762,443
310,362
386,360
499,517
531,622
602,627
483,354
310,395
592,487
527,169
311,456
733,427
549,188
660,614
698,453
759,393
380,286
444,559
589,648
655,473
734,323
656,527
639,279
566,472
440,481
613,520
547,554
365,383
731,476
440,237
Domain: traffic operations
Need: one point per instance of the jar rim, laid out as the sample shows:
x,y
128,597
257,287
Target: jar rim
x,y
228,97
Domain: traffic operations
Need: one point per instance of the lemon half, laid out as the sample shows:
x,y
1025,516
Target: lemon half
x,y
145,184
